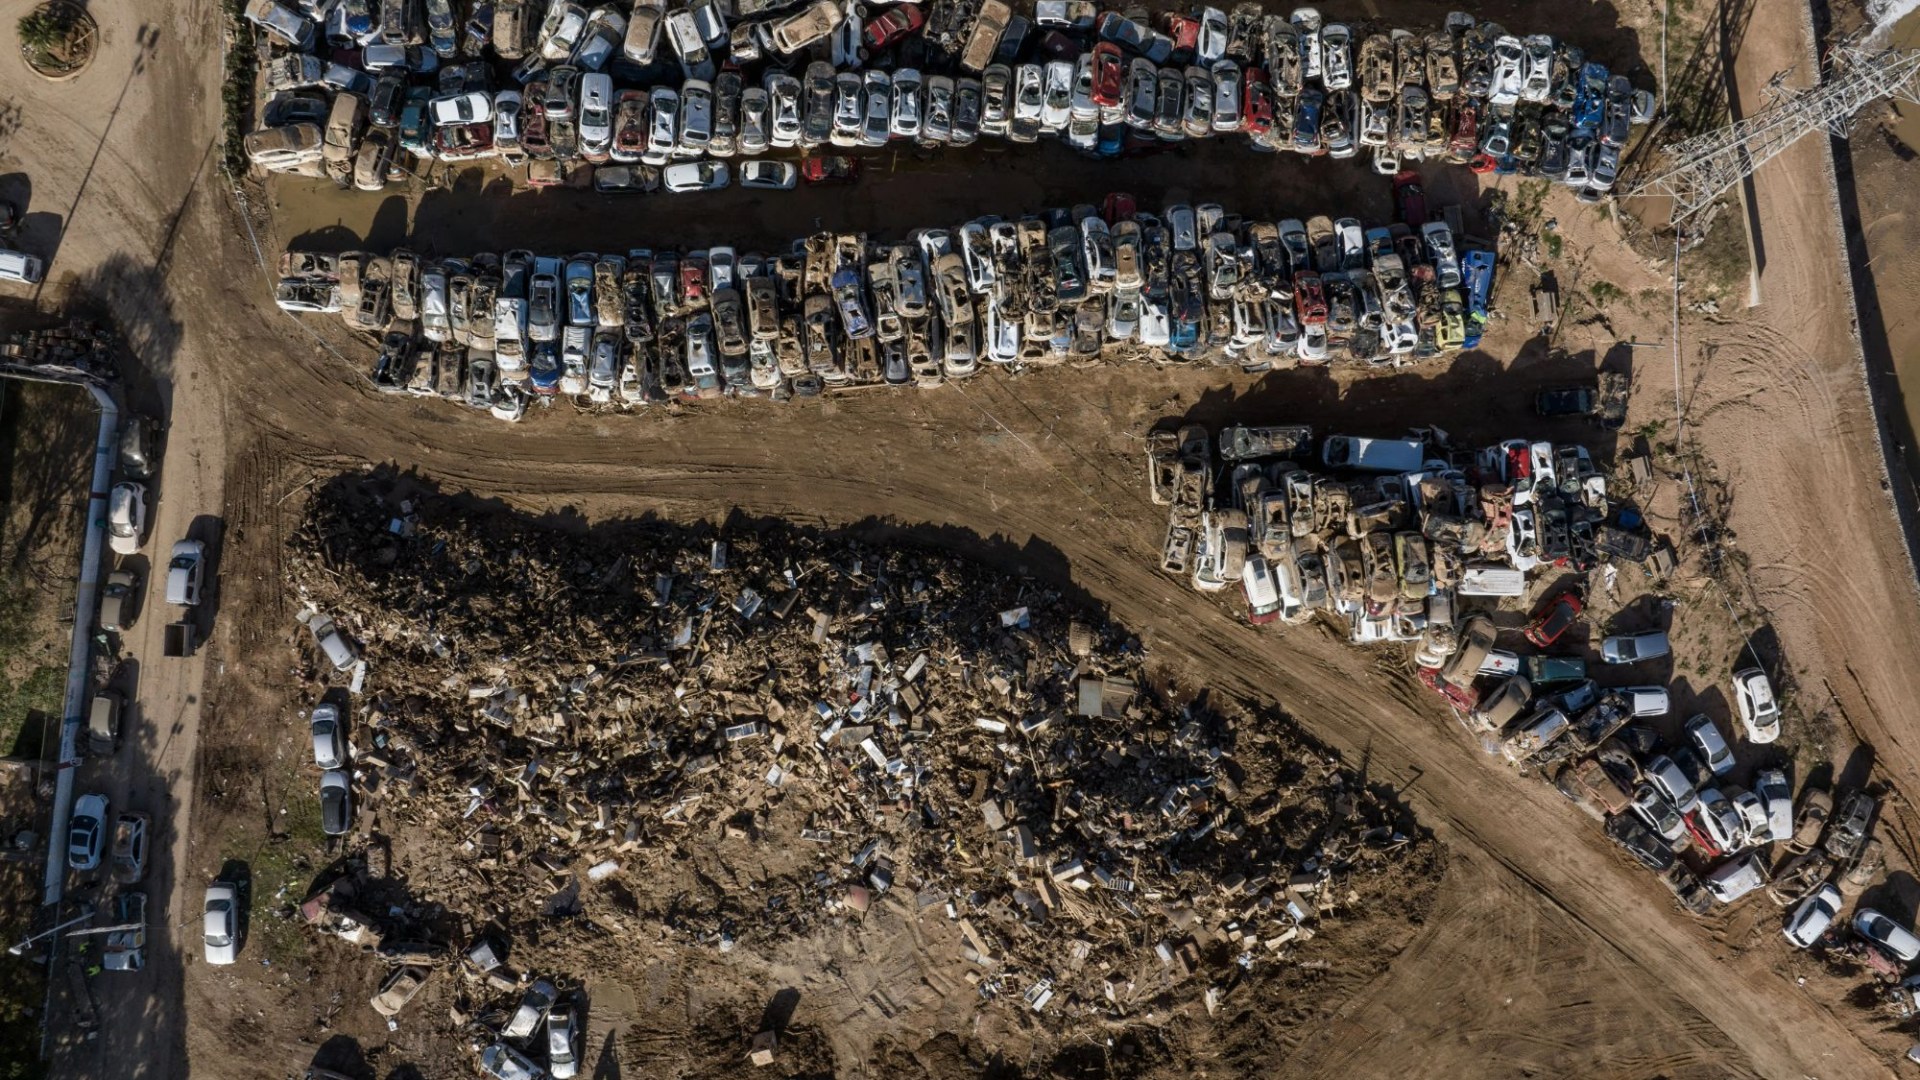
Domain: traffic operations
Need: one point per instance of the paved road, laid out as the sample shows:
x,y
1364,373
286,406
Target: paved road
x,y
113,173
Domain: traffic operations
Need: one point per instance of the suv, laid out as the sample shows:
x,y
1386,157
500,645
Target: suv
x,y
1758,709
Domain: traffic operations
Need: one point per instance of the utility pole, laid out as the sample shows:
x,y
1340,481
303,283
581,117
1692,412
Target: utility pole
x,y
1699,169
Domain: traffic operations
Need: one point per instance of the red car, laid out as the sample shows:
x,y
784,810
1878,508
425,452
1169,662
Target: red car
x,y
1701,837
830,169
1411,198
1560,615
1464,700
1465,126
1309,299
1117,207
1108,74
1256,103
1483,163
888,29
1184,31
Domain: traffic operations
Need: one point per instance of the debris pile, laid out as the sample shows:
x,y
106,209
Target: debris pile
x,y
79,348
737,739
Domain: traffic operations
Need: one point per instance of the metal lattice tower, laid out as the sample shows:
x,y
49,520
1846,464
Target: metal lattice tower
x,y
1698,169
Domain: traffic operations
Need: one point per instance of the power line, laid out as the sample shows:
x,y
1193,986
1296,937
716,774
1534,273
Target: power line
x,y
1700,168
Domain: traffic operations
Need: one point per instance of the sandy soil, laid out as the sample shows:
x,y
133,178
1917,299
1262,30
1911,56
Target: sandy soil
x,y
1576,962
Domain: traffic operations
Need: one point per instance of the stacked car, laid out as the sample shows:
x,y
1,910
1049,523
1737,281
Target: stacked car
x,y
1413,540
1385,536
636,88
645,325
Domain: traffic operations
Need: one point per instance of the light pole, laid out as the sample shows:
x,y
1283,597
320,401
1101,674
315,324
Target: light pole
x,y
21,947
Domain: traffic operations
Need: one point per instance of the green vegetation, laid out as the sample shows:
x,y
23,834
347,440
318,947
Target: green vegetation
x,y
1604,293
56,39
1553,243
281,870
237,92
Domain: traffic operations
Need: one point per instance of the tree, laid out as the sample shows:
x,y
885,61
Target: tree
x,y
42,31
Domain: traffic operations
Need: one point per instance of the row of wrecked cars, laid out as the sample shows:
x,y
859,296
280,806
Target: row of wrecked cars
x,y
1382,533
649,82
1064,284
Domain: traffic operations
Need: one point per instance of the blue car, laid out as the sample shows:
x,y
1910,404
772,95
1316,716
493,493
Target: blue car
x,y
1590,104
1112,140
1476,268
1306,122
543,368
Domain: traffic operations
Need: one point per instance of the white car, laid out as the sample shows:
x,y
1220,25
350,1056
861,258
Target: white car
x,y
185,567
1811,919
563,1042
905,115
1713,748
696,176
1446,261
329,740
1753,816
769,175
663,129
1212,42
1890,936
1774,790
1056,101
1758,711
506,119
596,112
1509,60
1720,819
1336,56
220,923
126,517
473,107
87,832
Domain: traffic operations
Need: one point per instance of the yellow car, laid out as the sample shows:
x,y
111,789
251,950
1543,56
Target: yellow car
x,y
1452,331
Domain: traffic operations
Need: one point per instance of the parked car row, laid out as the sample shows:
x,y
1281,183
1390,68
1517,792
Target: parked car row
x,y
1381,533
596,86
650,325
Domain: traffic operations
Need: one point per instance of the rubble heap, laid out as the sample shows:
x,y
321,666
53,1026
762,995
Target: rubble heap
x,y
842,731
78,348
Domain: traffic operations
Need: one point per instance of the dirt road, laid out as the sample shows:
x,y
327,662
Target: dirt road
x,y
113,167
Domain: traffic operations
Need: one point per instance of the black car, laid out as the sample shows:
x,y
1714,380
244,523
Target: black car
x,y
388,98
1640,842
1568,401
393,368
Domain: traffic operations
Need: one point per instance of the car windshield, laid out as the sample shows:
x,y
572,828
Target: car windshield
x,y
181,562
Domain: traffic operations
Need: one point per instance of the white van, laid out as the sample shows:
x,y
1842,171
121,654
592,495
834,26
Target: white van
x,y
1373,455
20,266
